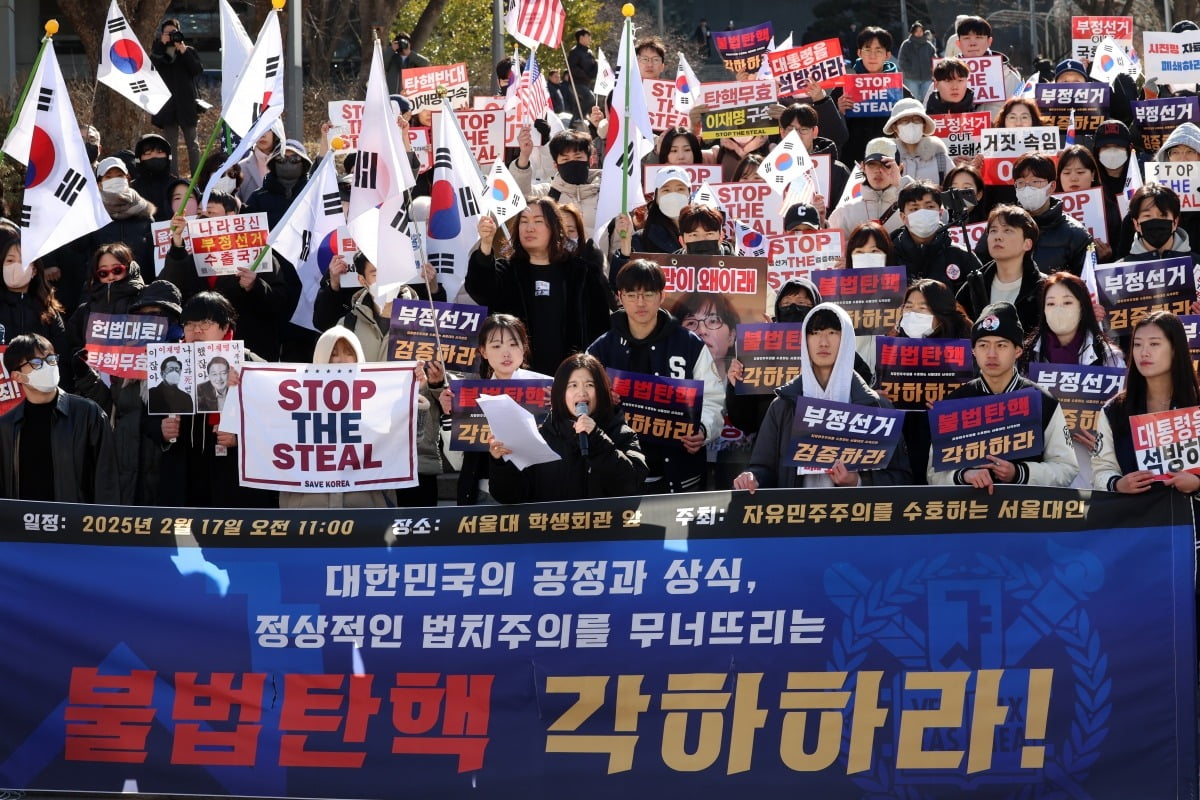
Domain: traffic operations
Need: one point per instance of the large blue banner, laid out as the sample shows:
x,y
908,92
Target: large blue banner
x,y
909,642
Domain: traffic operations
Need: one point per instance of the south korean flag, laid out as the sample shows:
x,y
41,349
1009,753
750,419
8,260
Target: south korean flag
x,y
126,69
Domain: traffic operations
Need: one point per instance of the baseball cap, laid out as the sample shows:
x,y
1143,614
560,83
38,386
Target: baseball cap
x,y
879,149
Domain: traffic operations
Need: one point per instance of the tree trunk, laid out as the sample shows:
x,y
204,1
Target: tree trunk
x,y
429,17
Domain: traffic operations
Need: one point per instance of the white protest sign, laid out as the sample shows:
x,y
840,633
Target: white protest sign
x,y
753,204
1172,58
1182,177
795,255
660,105
986,79
1088,208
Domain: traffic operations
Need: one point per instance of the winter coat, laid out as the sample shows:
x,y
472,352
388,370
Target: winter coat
x,y
21,313
939,258
103,298
769,461
179,72
273,198
930,162
1062,242
976,294
85,469
862,129
870,205
613,467
916,59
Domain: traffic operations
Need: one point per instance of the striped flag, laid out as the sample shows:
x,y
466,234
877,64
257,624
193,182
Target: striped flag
x,y
606,79
531,89
534,22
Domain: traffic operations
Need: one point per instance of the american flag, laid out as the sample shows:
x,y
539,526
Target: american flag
x,y
533,22
531,89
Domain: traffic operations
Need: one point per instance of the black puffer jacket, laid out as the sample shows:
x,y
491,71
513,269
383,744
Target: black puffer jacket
x,y
613,467
939,258
976,294
21,313
1062,242
179,71
103,298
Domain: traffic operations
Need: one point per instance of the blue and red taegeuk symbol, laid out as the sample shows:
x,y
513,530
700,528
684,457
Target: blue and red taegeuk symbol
x,y
327,248
681,85
501,191
752,239
42,158
783,162
445,221
1106,62
126,55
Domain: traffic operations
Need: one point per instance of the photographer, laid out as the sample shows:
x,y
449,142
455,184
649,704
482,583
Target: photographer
x,y
179,65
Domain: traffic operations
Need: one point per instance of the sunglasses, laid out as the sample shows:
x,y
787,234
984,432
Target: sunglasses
x,y
116,271
291,159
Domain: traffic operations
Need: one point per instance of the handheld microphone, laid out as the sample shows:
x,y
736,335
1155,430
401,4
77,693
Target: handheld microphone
x,y
580,410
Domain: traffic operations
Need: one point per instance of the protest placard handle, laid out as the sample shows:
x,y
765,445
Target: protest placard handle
x,y
578,107
196,169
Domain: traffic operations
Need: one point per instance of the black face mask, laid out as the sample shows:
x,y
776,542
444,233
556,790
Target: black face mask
x,y
1157,232
289,173
574,172
154,166
93,151
792,313
707,247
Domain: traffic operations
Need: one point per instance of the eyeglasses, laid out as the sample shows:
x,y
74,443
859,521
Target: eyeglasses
x,y
640,297
712,322
649,60
199,326
1033,184
38,363
875,51
291,159
117,270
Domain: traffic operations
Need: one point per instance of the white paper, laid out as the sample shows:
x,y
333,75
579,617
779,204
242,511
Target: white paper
x,y
517,429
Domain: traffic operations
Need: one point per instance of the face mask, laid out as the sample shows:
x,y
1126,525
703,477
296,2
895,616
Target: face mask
x,y
289,172
910,132
1157,232
924,222
171,378
1062,319
115,185
17,276
917,323
574,172
1113,157
792,313
1032,199
44,379
93,151
869,259
672,203
225,185
154,166
708,247
572,245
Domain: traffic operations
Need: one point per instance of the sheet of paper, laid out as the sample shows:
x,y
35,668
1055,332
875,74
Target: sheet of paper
x,y
516,428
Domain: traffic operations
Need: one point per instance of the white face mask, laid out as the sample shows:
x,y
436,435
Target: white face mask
x,y
114,185
924,222
869,259
1031,198
44,379
910,132
1063,319
225,185
671,203
1113,157
917,323
17,276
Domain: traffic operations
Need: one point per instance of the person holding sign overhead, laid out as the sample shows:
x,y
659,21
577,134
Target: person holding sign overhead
x,y
996,339
826,373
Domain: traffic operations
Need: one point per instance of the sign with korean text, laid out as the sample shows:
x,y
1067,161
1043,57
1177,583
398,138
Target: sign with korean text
x,y
186,378
433,331
967,236
116,343
873,95
10,391
425,86
659,409
1003,146
1157,118
730,287
1080,390
160,232
660,105
724,94
1172,58
743,49
825,432
222,245
986,78
293,654
469,428
821,62
328,428
1087,207
770,355
1191,326
1089,101
962,132
1132,290
1167,442
750,120
483,130
967,430
872,296
1183,178
796,255
1088,32
915,372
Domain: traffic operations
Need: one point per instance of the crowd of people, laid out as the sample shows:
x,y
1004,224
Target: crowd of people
x,y
568,306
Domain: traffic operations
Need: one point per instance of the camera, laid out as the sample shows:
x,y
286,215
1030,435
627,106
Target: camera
x,y
958,203
176,37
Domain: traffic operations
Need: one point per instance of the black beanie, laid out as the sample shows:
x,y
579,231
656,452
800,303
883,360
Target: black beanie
x,y
999,319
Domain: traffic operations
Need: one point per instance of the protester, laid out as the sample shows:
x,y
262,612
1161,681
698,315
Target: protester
x,y
996,340
806,120
255,166
874,47
826,373
973,194
922,155
131,214
27,302
647,340
915,59
178,64
880,192
54,446
869,245
155,174
1160,378
287,174
924,244
660,232
574,181
584,68
613,465
1012,276
679,146
1078,172
952,93
1019,112
974,41
113,286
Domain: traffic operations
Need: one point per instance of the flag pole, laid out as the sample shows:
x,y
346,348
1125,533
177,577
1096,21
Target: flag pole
x,y
571,78
51,29
627,11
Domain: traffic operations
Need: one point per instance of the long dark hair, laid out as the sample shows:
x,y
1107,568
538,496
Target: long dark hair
x,y
558,238
118,250
1087,320
39,288
502,323
1185,391
668,139
952,321
1077,152
562,376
